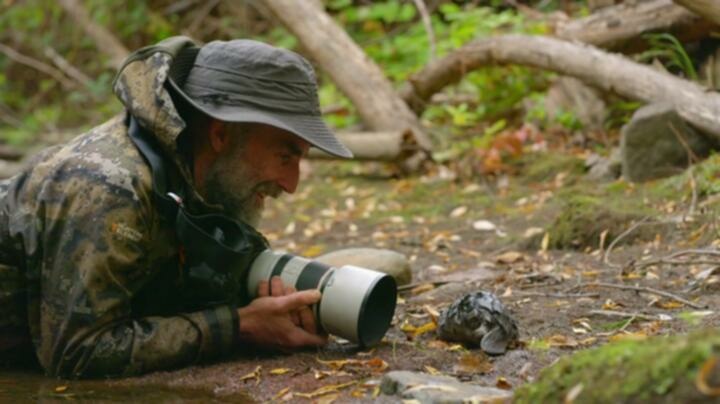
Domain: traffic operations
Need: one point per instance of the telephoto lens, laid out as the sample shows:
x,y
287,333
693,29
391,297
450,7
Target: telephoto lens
x,y
357,303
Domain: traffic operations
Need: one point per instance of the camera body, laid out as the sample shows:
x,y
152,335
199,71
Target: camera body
x,y
356,304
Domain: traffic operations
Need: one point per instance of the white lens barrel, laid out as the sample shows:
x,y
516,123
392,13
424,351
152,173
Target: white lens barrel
x,y
357,303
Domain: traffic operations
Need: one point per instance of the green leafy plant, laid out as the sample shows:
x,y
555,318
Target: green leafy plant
x,y
666,48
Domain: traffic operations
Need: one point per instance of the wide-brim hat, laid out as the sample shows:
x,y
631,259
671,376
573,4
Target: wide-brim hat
x,y
249,81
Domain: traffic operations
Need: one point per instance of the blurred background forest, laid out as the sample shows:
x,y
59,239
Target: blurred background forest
x,y
56,81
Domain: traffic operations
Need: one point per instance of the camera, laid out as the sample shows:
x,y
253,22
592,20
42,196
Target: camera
x,y
356,304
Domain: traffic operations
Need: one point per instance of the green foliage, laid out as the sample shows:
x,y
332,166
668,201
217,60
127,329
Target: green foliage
x,y
666,48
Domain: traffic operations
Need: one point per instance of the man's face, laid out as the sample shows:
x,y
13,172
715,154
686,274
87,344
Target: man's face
x,y
260,161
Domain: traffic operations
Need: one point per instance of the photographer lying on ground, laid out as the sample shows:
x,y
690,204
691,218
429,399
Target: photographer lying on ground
x,y
93,265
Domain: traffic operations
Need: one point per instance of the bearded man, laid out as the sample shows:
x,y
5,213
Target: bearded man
x,y
103,270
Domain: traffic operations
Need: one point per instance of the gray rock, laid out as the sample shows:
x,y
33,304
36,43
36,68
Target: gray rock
x,y
650,147
604,168
479,318
427,388
387,261
568,94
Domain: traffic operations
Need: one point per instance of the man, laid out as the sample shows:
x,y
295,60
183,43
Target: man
x,y
93,265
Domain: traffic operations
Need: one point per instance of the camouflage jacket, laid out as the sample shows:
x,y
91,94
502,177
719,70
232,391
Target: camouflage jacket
x,y
87,263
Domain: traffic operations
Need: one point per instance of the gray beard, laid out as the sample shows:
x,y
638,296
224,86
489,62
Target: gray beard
x,y
237,203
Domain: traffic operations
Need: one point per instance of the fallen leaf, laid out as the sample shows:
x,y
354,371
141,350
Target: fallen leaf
x,y
484,225
573,394
669,305
562,341
502,383
61,389
425,287
532,232
280,371
611,305
374,364
701,380
325,390
313,251
280,394
545,243
509,257
473,364
629,336
431,370
459,211
255,374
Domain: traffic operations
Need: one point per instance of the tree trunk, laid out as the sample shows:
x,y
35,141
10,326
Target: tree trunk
x,y
374,146
609,72
378,104
613,26
104,40
708,9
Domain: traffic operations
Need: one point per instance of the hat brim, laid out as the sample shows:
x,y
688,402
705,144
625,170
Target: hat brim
x,y
308,127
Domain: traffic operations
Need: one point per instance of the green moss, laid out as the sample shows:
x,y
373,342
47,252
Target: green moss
x,y
657,369
583,219
706,175
541,167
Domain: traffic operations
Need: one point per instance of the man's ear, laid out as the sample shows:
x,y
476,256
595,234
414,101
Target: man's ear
x,y
218,136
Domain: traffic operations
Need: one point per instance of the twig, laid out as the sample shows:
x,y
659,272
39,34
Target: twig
x,y
670,258
36,64
613,313
410,286
67,68
557,295
606,256
427,23
639,289
200,16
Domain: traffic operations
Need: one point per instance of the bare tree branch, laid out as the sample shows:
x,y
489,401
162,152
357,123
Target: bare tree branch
x,y
37,65
104,40
708,9
427,23
66,67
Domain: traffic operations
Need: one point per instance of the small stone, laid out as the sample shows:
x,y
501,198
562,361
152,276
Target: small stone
x,y
478,318
484,225
427,388
390,262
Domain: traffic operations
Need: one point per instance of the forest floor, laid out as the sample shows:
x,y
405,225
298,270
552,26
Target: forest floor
x,y
538,236
540,266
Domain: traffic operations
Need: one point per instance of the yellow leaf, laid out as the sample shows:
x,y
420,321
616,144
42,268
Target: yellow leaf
x,y
706,371
280,371
325,390
431,370
509,257
545,242
60,389
631,336
670,305
313,251
255,374
280,394
562,341
425,287
474,364
425,328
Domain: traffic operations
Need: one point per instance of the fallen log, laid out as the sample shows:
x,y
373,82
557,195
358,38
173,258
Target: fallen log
x,y
355,74
375,146
707,9
611,27
606,71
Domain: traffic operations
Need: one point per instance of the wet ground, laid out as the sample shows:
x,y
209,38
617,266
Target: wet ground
x,y
433,221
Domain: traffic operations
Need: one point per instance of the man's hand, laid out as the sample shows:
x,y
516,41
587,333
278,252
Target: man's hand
x,y
280,317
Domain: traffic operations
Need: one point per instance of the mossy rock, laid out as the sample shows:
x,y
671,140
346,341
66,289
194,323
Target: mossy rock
x,y
656,370
583,219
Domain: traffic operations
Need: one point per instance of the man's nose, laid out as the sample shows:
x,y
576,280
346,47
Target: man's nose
x,y
290,178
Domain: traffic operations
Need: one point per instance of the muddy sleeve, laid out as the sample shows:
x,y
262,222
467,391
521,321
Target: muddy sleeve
x,y
98,239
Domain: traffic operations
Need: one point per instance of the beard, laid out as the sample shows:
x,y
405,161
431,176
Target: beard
x,y
232,185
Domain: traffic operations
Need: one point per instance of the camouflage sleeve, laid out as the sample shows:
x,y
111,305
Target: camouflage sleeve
x,y
99,237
